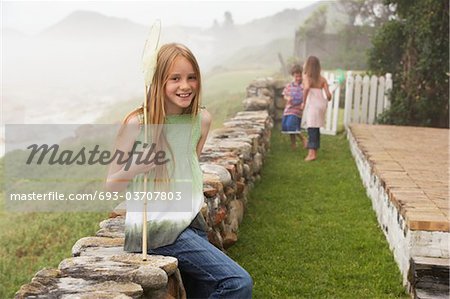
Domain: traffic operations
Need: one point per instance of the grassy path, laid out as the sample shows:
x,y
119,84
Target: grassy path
x,y
310,232
30,242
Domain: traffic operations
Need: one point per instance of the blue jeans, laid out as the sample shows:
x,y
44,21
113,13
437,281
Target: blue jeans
x,y
207,272
291,124
313,138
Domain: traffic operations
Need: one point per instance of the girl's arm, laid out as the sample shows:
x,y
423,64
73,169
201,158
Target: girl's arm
x,y
305,90
287,99
118,178
205,125
327,89
286,94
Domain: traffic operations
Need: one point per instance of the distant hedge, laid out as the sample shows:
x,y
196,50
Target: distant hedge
x,y
415,49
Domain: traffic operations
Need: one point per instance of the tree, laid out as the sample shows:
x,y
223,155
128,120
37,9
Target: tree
x,y
228,23
368,12
390,39
415,49
316,23
215,26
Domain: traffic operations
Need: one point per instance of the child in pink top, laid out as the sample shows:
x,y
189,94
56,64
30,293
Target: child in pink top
x,y
315,102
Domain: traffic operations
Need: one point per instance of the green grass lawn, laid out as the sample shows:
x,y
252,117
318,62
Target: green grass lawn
x,y
29,242
309,229
32,241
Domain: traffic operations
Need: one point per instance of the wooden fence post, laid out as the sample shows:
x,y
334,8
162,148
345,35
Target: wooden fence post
x,y
332,113
365,99
366,106
388,89
357,102
330,78
348,98
380,97
372,99
335,101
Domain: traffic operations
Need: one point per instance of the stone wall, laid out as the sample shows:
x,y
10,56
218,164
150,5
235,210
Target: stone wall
x,y
231,162
259,90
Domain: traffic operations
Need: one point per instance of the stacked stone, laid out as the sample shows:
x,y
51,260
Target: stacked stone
x,y
231,162
271,88
100,268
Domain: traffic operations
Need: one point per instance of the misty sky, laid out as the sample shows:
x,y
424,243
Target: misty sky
x,y
33,16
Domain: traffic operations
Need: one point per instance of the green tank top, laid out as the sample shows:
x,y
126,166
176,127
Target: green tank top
x,y
183,199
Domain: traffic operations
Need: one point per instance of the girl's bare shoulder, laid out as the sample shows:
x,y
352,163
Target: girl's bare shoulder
x,y
134,120
323,81
205,117
133,123
135,117
305,81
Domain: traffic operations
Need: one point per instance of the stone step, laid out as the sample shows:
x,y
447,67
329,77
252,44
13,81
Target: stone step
x,y
429,277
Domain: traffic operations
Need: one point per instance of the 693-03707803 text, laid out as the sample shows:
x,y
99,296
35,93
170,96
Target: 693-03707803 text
x,y
135,196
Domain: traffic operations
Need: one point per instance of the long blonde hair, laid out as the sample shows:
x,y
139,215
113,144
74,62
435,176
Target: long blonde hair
x,y
156,93
156,96
312,70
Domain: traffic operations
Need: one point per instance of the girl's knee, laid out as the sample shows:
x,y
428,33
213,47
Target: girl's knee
x,y
247,282
241,285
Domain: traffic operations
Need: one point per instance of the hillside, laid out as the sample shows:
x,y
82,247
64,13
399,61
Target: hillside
x,y
261,56
88,60
257,43
92,25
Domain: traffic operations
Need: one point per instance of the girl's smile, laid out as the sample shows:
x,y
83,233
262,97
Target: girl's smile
x,y
181,86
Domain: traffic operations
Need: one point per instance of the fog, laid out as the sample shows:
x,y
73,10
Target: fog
x,y
71,71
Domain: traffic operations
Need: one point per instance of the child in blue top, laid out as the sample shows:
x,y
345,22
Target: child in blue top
x,y
292,115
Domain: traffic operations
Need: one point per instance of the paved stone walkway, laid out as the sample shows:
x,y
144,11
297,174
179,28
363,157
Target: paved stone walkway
x,y
413,165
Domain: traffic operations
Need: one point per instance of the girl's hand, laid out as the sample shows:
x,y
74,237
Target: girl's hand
x,y
302,105
145,164
327,89
119,180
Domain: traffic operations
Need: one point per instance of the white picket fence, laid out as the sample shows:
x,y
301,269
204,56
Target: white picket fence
x,y
331,120
366,98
